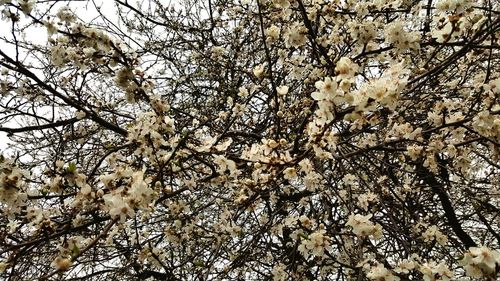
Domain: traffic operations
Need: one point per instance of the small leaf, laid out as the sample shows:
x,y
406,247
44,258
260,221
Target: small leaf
x,y
71,168
303,235
75,251
199,263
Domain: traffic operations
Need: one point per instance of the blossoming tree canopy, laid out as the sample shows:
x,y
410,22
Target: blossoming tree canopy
x,y
250,140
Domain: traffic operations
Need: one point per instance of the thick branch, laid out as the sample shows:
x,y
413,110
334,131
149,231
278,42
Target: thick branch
x,y
428,177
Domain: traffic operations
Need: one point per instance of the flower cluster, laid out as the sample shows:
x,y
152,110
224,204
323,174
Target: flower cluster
x,y
380,273
12,186
480,262
90,46
436,272
316,244
433,233
362,226
123,202
402,39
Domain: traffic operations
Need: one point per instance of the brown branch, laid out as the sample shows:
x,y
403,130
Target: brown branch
x,y
88,247
39,127
18,67
428,177
312,36
477,38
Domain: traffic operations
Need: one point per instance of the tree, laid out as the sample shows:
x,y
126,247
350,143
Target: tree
x,y
250,140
